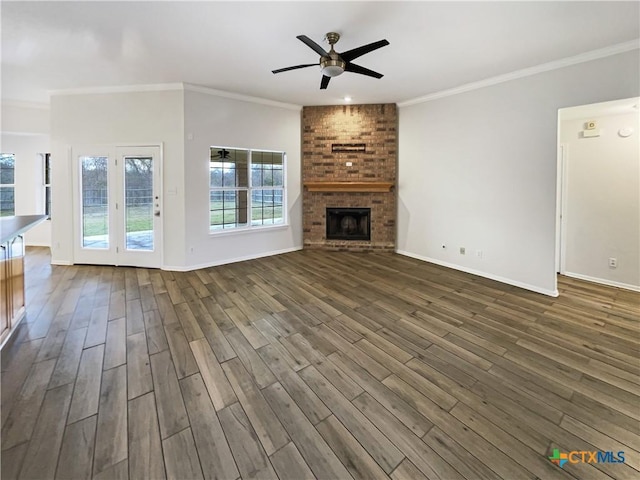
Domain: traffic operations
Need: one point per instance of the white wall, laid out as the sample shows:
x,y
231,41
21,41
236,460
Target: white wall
x,y
602,200
25,118
187,122
212,120
25,133
478,169
133,118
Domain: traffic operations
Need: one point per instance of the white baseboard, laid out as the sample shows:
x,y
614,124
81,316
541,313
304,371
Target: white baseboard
x,y
602,281
61,262
497,278
37,244
228,261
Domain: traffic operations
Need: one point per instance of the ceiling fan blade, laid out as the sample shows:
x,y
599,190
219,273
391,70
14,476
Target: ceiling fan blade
x,y
325,82
358,52
295,67
313,45
352,67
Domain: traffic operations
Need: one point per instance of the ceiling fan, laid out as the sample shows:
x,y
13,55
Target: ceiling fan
x,y
334,63
223,154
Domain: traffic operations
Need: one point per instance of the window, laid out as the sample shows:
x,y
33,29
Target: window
x,y
46,168
7,184
246,188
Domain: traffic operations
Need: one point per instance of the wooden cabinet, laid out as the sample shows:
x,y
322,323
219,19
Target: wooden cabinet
x,y
16,266
12,291
5,314
11,284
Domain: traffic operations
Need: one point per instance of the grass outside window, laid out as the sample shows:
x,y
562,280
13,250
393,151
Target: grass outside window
x,y
246,188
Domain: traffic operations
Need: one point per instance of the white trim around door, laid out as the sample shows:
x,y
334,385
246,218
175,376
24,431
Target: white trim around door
x,y
117,205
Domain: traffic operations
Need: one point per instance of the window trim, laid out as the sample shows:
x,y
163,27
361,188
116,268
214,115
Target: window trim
x,y
250,227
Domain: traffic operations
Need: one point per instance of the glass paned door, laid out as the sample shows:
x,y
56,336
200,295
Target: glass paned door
x,y
139,205
119,210
95,201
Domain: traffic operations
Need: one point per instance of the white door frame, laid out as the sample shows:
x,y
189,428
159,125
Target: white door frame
x,y
561,247
116,253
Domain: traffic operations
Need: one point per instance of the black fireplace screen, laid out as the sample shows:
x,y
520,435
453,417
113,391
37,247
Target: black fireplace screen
x,y
348,224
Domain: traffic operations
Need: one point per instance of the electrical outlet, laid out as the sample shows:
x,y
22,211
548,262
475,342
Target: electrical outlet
x,y
463,251
613,262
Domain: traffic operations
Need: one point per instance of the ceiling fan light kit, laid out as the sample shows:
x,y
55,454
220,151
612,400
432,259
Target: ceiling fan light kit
x,y
332,68
333,63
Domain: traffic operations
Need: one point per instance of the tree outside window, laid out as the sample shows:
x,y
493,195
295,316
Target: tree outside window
x,y
46,169
246,188
7,184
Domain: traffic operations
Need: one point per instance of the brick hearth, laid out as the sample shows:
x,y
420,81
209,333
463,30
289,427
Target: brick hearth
x,y
356,127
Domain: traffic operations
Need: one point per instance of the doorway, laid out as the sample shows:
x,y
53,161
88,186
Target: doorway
x,y
117,205
599,193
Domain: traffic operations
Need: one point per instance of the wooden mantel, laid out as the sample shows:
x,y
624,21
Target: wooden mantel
x,y
354,187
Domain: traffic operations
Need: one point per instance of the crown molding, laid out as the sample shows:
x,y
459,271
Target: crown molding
x,y
237,96
23,134
25,104
156,87
527,72
160,87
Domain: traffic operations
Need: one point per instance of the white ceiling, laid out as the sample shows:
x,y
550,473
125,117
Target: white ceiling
x,y
233,46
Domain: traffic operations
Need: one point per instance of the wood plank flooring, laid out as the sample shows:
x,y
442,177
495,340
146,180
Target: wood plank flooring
x,y
328,365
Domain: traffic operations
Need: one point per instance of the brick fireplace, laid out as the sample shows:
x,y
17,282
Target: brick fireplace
x,y
349,162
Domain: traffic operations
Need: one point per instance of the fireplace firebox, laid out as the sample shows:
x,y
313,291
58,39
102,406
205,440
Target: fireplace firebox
x,y
349,224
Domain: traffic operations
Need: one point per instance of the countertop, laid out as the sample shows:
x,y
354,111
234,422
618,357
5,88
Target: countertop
x,y
11,227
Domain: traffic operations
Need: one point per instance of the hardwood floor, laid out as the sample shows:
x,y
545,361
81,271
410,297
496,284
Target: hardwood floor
x,y
316,365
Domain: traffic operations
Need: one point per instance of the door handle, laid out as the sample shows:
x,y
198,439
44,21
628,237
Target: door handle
x,y
157,213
